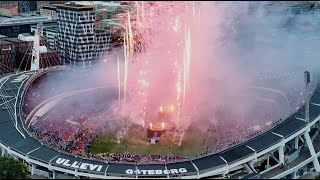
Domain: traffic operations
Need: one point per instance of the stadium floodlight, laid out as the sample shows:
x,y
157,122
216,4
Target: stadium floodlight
x,y
307,76
307,81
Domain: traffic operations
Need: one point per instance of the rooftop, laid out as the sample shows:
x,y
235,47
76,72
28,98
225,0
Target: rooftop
x,y
9,6
75,6
14,40
102,31
5,42
26,34
88,3
108,6
49,6
26,37
24,20
112,22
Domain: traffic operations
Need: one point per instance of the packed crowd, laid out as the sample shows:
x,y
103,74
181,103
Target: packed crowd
x,y
232,130
131,157
64,130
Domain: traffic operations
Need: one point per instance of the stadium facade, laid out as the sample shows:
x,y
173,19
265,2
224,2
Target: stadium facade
x,y
288,150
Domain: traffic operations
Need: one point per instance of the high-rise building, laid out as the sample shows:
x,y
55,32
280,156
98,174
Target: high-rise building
x,y
77,36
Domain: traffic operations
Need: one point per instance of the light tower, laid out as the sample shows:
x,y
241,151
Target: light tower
x,y
36,48
307,81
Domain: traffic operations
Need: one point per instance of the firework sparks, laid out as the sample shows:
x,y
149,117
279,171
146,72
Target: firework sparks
x,y
156,35
125,46
130,38
193,9
186,63
119,81
137,11
142,10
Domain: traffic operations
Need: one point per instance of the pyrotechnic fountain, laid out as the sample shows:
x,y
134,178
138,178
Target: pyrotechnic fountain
x,y
181,58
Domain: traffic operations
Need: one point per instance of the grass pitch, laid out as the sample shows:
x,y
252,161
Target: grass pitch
x,y
137,142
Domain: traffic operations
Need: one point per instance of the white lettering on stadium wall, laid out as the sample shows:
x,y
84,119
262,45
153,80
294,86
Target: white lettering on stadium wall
x,y
93,167
79,165
169,171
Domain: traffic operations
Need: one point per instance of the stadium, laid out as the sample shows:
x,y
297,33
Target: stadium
x,y
61,122
241,160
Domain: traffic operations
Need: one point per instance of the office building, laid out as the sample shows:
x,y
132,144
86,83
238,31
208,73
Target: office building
x,y
6,57
49,11
77,35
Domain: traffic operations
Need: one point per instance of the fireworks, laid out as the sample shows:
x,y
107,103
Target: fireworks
x,y
181,54
119,81
128,52
157,52
137,11
125,67
186,64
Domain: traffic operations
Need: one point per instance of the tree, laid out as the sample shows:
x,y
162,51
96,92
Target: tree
x,y
317,176
12,169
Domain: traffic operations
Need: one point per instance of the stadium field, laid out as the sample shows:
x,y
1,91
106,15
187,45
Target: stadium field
x,y
136,141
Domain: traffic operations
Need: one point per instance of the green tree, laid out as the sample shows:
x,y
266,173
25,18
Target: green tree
x,y
317,176
12,169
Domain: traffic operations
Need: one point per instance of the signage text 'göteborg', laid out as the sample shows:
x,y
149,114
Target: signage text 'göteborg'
x,y
93,167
